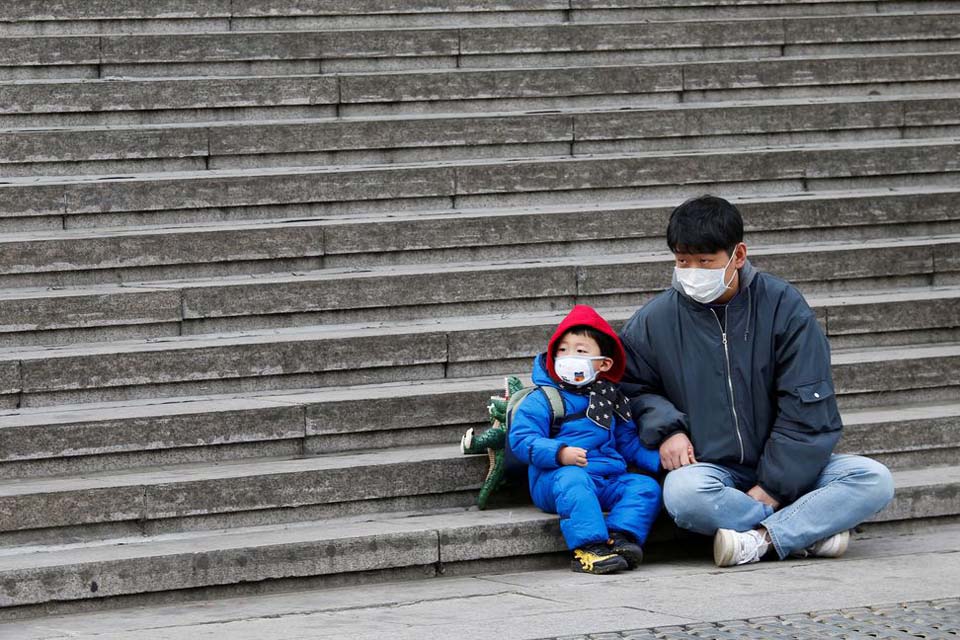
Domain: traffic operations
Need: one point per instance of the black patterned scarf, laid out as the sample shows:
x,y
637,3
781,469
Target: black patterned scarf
x,y
606,401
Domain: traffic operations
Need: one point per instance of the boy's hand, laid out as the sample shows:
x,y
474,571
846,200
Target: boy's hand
x,y
573,456
676,451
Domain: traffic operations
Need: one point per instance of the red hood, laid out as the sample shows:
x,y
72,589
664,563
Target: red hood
x,y
582,315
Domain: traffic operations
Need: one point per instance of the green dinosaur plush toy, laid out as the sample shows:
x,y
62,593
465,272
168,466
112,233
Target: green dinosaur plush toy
x,y
493,441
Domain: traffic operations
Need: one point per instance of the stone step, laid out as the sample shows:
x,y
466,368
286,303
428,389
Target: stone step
x,y
242,493
45,103
385,546
32,17
317,356
485,90
638,10
416,292
329,142
904,437
82,439
481,184
570,44
85,257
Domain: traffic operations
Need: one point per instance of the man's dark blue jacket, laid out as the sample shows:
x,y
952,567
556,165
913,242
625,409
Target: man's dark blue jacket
x,y
749,382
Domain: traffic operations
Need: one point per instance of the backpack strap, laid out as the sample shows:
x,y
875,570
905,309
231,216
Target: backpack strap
x,y
557,409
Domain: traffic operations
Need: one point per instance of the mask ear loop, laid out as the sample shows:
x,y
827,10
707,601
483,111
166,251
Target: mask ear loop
x,y
733,255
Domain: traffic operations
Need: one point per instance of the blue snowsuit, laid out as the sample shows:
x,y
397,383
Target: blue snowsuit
x,y
581,494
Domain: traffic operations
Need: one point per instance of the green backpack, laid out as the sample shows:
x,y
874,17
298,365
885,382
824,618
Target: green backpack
x,y
503,465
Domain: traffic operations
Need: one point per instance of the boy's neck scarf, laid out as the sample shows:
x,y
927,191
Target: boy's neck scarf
x,y
606,401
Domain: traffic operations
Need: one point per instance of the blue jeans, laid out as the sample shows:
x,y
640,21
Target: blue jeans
x,y
705,497
633,502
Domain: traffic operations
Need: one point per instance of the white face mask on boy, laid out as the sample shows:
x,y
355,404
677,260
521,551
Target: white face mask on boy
x,y
576,370
703,285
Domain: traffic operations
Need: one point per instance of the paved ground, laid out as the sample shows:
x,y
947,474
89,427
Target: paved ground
x,y
937,619
891,587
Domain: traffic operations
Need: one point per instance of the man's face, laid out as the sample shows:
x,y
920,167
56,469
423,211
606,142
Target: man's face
x,y
717,260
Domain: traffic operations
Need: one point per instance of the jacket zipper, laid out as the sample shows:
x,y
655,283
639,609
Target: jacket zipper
x,y
726,353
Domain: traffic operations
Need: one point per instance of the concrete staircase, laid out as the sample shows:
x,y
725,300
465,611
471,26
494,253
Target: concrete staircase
x,y
263,262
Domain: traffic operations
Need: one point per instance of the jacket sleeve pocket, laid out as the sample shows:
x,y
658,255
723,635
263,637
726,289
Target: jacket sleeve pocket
x,y
815,391
814,405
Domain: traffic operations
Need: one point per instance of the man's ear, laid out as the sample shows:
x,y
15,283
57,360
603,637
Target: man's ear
x,y
740,255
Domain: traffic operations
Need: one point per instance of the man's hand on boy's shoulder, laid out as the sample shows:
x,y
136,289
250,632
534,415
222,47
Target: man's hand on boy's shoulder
x,y
572,456
676,451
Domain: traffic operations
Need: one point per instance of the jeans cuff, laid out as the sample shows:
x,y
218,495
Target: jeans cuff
x,y
774,538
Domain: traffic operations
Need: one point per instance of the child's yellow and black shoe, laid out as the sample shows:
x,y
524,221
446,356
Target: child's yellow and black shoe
x,y
623,546
597,559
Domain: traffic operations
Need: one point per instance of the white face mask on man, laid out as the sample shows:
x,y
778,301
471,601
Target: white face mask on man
x,y
704,285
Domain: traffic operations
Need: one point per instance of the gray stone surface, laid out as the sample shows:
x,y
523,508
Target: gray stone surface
x,y
873,28
9,377
939,308
36,310
138,95
923,430
328,291
162,361
237,486
81,251
532,83
278,46
258,189
65,146
627,171
30,10
199,559
63,51
346,135
195,561
105,430
73,145
243,8
820,72
693,120
587,37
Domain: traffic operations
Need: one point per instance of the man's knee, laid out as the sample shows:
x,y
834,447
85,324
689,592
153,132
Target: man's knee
x,y
876,481
687,490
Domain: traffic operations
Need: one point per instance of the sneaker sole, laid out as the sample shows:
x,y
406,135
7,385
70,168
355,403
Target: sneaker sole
x,y
842,544
724,547
599,570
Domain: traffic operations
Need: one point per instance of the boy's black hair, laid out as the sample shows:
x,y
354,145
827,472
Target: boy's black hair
x,y
608,347
706,224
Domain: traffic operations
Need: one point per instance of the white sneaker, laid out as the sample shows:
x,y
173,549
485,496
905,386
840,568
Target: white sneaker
x,y
738,547
831,547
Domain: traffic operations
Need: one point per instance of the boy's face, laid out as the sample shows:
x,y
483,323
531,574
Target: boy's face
x,y
573,345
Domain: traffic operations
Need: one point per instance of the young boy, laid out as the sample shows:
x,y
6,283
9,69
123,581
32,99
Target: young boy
x,y
580,470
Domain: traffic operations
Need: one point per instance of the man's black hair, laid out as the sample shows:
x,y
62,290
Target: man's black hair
x,y
608,346
707,224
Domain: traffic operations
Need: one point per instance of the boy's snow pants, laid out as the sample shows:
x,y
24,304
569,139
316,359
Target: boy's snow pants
x,y
579,498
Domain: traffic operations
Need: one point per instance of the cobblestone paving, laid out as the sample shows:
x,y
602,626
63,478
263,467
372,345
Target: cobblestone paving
x,y
939,619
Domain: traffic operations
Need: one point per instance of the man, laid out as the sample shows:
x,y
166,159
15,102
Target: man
x,y
728,374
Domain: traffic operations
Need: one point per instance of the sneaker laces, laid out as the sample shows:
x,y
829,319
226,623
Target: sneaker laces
x,y
753,546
